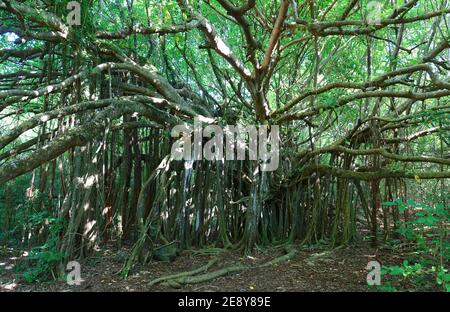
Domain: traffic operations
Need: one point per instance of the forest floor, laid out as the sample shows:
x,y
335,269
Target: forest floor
x,y
312,269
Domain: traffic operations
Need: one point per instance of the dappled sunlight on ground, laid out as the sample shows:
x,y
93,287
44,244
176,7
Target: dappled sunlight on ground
x,y
312,269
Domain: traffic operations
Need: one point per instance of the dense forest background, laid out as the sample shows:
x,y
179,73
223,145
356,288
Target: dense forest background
x,y
359,89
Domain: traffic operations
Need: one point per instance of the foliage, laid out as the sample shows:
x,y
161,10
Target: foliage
x,y
45,258
33,219
86,113
428,230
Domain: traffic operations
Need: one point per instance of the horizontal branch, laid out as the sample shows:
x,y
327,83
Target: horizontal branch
x,y
372,175
416,135
380,82
370,94
39,16
321,28
22,54
79,136
148,30
34,121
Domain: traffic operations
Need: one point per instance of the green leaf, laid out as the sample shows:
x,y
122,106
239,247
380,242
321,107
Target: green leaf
x,y
446,278
396,270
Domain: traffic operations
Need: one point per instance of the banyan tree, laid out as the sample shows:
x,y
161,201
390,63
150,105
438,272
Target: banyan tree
x,y
360,94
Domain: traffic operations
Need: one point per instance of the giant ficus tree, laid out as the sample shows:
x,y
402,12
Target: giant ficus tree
x,y
86,112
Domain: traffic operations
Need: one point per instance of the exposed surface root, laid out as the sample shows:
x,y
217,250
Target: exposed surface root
x,y
184,274
342,270
191,277
291,252
211,275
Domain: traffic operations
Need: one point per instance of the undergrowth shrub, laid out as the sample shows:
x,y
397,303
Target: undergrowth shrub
x,y
427,266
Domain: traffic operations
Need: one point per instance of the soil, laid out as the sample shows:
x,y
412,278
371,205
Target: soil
x,y
312,269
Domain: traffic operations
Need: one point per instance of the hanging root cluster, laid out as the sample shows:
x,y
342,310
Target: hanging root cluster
x,y
88,117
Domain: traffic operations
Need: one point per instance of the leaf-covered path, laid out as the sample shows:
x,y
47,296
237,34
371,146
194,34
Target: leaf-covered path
x,y
312,269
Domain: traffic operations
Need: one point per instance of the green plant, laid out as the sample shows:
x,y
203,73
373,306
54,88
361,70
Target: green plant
x,y
45,257
385,287
428,229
